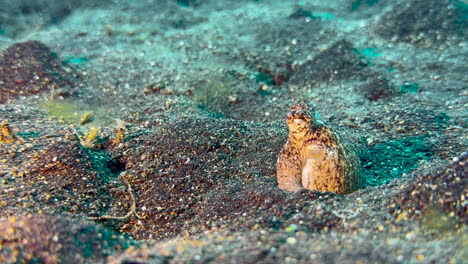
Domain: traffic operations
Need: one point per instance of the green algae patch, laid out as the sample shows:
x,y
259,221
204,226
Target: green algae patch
x,y
391,159
215,93
78,113
66,111
439,223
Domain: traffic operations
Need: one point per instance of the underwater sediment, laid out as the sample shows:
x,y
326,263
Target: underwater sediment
x,y
149,131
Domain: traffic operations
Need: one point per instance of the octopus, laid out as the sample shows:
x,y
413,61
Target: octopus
x,y
314,157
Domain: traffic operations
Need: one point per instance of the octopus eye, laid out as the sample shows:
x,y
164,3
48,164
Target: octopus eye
x,y
300,121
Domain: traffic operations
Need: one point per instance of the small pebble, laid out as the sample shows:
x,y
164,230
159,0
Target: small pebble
x,y
291,240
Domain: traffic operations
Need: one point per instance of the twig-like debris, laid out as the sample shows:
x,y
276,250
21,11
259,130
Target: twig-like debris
x,y
345,214
130,213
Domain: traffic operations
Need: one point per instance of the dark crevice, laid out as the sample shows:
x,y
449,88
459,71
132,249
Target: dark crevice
x,y
105,165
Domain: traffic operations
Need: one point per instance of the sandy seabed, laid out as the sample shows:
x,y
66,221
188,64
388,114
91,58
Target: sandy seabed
x,y
148,131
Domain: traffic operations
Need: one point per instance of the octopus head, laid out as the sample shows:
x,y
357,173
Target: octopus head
x,y
300,118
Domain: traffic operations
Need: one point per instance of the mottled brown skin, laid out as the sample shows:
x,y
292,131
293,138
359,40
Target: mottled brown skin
x,y
314,157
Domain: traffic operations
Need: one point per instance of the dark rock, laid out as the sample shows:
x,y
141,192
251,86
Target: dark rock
x,y
30,68
424,22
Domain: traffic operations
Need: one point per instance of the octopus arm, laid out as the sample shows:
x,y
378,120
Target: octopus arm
x,y
287,174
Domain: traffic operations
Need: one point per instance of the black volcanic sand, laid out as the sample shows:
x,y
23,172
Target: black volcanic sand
x,y
153,138
31,67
